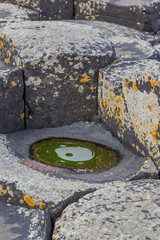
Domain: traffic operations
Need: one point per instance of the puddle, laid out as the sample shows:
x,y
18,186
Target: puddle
x,y
76,155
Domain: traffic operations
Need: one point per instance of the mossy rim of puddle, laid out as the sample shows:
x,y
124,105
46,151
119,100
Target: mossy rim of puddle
x,y
51,152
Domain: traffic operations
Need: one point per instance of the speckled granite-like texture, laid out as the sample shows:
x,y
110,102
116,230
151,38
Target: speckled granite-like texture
x,y
61,62
129,104
11,13
140,14
11,98
18,223
128,43
118,211
47,9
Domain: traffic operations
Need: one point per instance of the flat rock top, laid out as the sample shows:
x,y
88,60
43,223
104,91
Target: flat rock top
x,y
118,211
117,72
128,42
33,39
131,3
10,12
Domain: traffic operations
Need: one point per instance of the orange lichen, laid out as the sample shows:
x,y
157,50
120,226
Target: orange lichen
x,y
29,201
111,97
41,205
14,84
22,115
85,79
3,192
134,86
119,99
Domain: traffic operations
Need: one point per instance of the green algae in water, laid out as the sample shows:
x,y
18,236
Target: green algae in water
x,y
74,154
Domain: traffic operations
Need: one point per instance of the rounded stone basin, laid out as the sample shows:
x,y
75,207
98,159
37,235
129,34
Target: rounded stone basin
x,y
77,155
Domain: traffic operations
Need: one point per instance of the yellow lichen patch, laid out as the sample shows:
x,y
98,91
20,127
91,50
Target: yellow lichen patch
x,y
103,102
58,79
89,61
1,44
84,106
85,79
60,224
107,104
14,84
134,86
6,60
34,63
154,83
100,77
92,88
111,97
155,134
69,59
137,148
3,192
41,205
76,85
119,99
114,62
22,115
126,82
29,201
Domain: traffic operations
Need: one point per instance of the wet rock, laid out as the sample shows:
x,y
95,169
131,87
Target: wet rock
x,y
129,104
128,43
61,62
11,13
22,223
128,167
117,211
141,15
11,98
48,9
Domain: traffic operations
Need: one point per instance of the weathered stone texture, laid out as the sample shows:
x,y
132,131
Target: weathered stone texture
x,y
11,13
120,211
128,43
61,62
129,104
23,224
141,15
47,9
11,99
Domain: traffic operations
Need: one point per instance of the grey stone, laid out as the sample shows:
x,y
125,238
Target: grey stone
x,y
48,9
129,104
129,167
141,14
61,62
128,43
119,211
17,223
11,98
11,13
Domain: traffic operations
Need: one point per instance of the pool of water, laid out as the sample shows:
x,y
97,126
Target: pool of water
x,y
74,154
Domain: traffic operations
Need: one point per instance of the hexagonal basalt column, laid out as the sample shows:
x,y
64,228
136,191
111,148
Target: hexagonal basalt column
x,y
61,62
48,9
11,99
141,14
129,104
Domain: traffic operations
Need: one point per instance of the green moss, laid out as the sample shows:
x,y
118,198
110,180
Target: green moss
x,y
74,154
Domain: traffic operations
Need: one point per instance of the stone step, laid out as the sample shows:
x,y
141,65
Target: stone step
x,y
48,9
119,211
128,43
11,98
129,104
141,14
12,13
61,61
22,223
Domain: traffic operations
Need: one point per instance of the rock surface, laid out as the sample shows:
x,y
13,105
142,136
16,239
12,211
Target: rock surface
x,y
141,14
23,224
11,98
11,13
128,43
61,62
129,166
117,211
129,104
48,9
